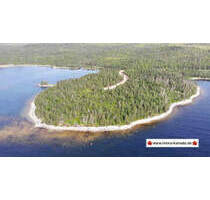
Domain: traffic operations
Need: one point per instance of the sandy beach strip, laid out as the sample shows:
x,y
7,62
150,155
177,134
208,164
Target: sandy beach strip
x,y
38,123
199,79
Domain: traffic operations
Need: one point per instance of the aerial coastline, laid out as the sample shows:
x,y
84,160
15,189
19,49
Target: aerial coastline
x,y
38,123
100,99
154,76
51,66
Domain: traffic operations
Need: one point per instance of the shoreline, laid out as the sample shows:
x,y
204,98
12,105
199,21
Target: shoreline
x,y
51,66
25,65
111,128
199,79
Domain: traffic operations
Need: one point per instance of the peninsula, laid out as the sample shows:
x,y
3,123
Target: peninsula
x,y
136,84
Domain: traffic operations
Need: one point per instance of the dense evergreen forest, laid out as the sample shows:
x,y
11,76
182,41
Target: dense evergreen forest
x,y
158,76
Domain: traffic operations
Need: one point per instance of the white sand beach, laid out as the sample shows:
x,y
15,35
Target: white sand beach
x,y
199,79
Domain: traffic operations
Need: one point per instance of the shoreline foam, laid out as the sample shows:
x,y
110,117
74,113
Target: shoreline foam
x,y
131,125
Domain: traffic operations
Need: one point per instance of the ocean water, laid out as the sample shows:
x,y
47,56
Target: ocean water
x,y
18,137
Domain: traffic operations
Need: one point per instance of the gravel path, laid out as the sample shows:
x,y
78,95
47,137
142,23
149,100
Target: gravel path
x,y
125,78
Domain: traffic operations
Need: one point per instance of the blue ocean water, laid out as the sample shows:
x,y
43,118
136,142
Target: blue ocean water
x,y
19,138
19,84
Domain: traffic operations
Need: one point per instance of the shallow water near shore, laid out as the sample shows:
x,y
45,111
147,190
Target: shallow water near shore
x,y
18,137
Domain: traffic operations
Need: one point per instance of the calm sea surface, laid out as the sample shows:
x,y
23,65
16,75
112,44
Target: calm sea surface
x,y
18,137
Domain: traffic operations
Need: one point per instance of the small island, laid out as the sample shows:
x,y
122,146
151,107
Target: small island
x,y
45,84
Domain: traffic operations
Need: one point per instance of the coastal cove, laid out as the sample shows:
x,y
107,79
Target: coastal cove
x,y
23,81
